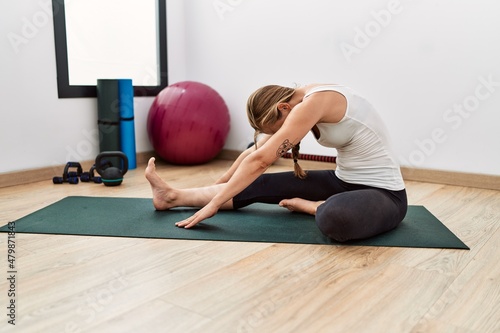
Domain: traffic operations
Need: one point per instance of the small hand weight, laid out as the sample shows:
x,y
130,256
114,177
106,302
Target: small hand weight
x,y
90,177
69,176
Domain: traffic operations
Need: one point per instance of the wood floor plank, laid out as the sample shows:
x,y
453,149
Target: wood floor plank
x,y
373,301
154,315
248,303
138,273
472,301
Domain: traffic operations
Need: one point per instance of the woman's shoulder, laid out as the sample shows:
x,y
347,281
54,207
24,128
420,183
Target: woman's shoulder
x,y
325,99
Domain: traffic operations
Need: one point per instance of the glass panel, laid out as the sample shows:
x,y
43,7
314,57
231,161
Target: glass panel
x,y
112,39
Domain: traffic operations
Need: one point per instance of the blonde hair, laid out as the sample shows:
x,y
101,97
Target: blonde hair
x,y
262,110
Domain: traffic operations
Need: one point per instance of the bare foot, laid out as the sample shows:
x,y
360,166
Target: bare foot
x,y
301,205
164,196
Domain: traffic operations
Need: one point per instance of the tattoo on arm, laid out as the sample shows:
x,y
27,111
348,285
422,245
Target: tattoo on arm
x,y
283,148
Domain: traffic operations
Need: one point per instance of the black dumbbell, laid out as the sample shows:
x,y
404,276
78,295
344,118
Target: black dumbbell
x,y
89,176
69,176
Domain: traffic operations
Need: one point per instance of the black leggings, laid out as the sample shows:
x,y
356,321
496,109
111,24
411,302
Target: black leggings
x,y
350,211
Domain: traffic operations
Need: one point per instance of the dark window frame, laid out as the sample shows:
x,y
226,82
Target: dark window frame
x,y
65,90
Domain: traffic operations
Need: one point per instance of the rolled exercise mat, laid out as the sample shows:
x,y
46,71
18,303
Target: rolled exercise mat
x,y
127,131
108,117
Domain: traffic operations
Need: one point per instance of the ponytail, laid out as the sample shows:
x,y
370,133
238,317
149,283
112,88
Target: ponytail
x,y
297,169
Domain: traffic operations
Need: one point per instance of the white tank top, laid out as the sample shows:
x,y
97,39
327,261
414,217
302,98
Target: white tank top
x,y
364,150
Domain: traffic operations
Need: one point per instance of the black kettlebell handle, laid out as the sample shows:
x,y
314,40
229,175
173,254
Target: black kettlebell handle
x,y
111,154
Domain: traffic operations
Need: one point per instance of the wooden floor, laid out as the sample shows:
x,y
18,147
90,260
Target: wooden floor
x,y
99,284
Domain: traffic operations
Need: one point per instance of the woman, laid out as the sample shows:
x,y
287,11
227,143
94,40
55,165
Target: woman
x,y
363,197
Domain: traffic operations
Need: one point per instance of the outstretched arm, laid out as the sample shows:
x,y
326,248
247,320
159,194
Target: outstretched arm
x,y
229,173
293,130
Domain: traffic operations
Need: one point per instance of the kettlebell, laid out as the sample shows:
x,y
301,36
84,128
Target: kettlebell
x,y
111,175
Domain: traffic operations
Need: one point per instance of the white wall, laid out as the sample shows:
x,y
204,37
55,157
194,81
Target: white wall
x,y
423,59
421,63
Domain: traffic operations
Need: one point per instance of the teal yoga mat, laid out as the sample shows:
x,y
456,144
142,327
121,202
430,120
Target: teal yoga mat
x,y
136,217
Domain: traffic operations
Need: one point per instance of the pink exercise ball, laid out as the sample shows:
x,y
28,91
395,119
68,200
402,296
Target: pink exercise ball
x,y
188,123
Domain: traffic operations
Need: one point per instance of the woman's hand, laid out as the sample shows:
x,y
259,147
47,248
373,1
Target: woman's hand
x,y
206,212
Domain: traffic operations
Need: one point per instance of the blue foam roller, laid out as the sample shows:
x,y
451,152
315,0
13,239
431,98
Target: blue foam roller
x,y
127,129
